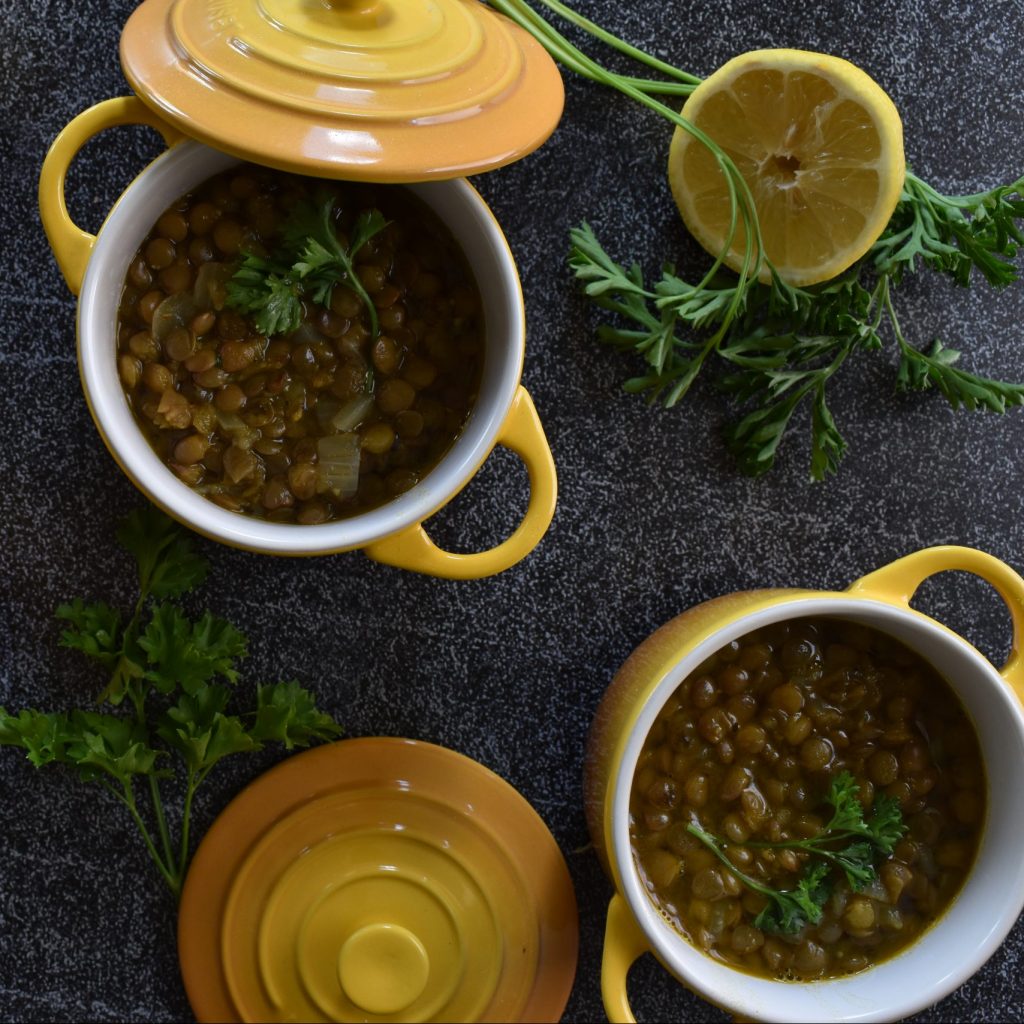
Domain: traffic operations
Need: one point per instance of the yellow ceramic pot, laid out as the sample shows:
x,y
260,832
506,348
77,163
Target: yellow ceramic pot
x,y
95,268
992,898
367,90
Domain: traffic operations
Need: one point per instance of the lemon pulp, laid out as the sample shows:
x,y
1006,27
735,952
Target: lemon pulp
x,y
818,142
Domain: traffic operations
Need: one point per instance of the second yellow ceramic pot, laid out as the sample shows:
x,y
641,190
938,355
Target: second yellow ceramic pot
x,y
992,898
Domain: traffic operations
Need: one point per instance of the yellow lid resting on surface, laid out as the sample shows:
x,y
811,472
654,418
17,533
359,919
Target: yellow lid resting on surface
x,y
378,879
367,90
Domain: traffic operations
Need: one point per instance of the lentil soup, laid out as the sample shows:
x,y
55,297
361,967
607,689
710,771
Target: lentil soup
x,y
747,748
324,421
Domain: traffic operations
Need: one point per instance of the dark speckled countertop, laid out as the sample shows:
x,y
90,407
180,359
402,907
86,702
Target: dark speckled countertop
x,y
652,517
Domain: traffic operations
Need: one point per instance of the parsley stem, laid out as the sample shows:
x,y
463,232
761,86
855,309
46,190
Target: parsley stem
x,y
658,88
347,260
683,385
740,196
128,799
891,311
924,190
195,780
814,847
810,845
618,44
161,820
713,845
186,817
138,698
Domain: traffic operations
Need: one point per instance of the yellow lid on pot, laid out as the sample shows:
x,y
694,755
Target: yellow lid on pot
x,y
367,90
378,879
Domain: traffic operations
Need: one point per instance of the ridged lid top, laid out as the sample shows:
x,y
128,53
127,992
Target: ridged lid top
x,y
378,879
368,90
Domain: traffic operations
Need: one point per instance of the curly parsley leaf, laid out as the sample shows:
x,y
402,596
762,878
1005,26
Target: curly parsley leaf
x,y
185,654
288,713
309,263
168,566
269,291
199,730
42,735
844,798
96,630
96,744
787,911
323,262
368,223
857,862
885,825
827,444
320,270
883,829
953,235
103,744
919,370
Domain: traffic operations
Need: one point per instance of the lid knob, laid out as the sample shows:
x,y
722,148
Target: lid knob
x,y
383,968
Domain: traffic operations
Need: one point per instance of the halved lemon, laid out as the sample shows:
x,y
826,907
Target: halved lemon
x,y
819,143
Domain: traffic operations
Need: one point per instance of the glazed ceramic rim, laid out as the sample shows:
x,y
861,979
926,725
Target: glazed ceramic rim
x,y
970,930
168,177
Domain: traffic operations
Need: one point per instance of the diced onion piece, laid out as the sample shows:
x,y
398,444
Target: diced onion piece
x,y
338,464
175,311
237,429
174,409
305,334
238,463
352,413
295,400
876,891
327,407
210,290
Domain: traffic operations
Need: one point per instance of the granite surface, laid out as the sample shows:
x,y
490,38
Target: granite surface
x,y
652,516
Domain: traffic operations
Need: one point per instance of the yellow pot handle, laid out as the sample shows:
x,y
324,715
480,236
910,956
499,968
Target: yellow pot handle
x,y
624,943
523,434
897,583
70,244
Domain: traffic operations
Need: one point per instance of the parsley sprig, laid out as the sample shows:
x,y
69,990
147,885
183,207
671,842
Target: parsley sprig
x,y
785,344
778,347
848,842
175,675
309,263
787,910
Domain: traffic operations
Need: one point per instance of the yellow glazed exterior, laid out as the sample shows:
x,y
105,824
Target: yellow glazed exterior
x,y
523,434
657,658
366,90
406,546
72,246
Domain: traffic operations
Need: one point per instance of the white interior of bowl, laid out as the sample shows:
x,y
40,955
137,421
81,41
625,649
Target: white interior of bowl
x,y
171,175
970,930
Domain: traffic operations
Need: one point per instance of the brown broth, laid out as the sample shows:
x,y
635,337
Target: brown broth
x,y
747,747
242,418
